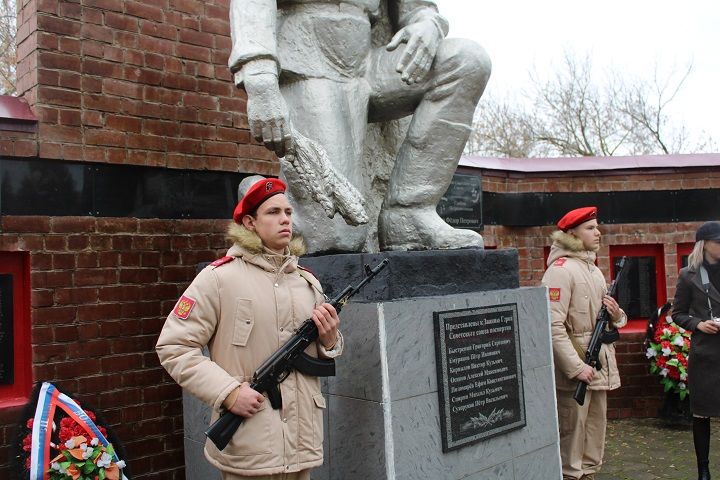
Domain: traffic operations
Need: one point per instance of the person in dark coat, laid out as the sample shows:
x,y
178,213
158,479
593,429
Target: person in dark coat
x,y
697,308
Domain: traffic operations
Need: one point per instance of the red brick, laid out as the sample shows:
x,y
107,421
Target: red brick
x,y
46,316
122,89
69,117
73,224
94,276
217,12
129,259
122,242
78,242
102,103
58,61
102,68
149,77
59,133
49,353
148,310
201,39
67,333
192,7
60,26
22,224
76,296
158,30
121,362
26,148
138,275
148,142
75,369
94,313
155,45
104,137
180,82
47,6
41,298
160,127
117,225
145,11
51,279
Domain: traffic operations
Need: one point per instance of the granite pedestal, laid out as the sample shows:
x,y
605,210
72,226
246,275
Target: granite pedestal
x,y
383,414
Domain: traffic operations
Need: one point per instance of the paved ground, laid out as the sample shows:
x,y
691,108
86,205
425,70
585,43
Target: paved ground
x,y
648,449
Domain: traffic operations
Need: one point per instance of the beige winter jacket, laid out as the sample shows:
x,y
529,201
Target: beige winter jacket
x,y
244,310
576,288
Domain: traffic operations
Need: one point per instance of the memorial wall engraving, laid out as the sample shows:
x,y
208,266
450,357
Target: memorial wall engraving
x,y
479,373
461,206
7,365
638,291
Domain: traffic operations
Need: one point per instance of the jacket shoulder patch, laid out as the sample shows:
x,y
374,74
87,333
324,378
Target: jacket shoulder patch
x,y
183,307
222,261
560,262
554,294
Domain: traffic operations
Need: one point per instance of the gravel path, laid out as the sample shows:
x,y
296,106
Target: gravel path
x,y
648,449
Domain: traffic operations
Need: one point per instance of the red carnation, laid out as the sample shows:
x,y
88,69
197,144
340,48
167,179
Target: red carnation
x,y
682,359
27,442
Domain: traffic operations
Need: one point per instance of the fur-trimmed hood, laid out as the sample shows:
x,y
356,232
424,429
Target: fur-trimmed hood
x,y
250,241
566,245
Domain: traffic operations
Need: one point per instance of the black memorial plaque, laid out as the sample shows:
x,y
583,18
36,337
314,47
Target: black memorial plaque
x,y
7,365
637,291
461,206
479,373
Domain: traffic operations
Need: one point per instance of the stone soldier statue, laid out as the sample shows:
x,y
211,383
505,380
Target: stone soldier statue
x,y
311,69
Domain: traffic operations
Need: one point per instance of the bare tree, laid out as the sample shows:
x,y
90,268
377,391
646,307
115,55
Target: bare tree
x,y
571,114
8,53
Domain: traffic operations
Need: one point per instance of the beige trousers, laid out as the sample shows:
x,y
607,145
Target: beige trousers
x,y
304,475
582,432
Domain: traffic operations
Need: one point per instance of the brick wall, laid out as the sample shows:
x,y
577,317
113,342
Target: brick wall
x,y
531,241
130,82
641,394
124,82
101,288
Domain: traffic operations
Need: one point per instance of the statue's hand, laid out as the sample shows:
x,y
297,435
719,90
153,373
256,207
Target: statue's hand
x,y
267,112
423,39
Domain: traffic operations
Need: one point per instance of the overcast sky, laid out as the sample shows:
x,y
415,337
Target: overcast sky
x,y
629,36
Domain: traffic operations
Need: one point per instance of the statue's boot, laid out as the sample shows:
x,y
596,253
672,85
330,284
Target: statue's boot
x,y
420,229
429,155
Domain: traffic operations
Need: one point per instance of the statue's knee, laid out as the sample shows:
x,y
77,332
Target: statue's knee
x,y
466,58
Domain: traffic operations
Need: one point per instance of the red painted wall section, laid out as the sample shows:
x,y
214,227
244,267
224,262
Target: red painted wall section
x,y
17,264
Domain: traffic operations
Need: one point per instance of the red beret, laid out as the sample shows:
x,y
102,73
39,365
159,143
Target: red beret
x,y
256,195
575,217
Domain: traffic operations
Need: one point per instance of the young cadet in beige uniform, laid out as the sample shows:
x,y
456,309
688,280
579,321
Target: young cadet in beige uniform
x,y
577,290
244,307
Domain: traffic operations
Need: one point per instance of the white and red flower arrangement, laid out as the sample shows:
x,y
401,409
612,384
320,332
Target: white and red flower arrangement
x,y
668,353
63,441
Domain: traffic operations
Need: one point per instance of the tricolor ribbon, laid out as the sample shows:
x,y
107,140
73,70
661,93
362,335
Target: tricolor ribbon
x,y
49,400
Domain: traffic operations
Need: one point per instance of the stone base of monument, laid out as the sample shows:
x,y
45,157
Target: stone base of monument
x,y
447,372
